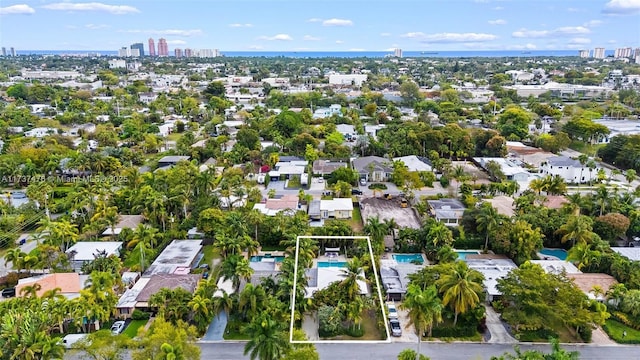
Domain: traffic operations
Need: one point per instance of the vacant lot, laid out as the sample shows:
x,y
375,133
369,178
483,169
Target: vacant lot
x,y
389,209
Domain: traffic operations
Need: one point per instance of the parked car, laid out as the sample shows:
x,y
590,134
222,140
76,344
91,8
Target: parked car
x,y
9,292
393,313
18,195
117,327
356,192
396,329
363,182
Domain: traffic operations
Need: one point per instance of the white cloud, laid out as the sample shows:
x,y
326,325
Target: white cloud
x,y
450,37
337,22
572,9
561,31
311,38
592,23
612,41
498,8
314,20
622,7
167,32
237,25
385,34
23,9
93,6
339,42
278,37
176,42
580,41
96,26
497,22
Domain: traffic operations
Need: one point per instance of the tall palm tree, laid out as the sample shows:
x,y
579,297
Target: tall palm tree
x,y
376,229
352,274
425,309
577,229
145,234
251,300
602,197
487,221
461,287
584,255
236,268
267,339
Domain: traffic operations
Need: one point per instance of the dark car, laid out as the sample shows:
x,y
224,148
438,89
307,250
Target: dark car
x,y
356,192
396,329
9,292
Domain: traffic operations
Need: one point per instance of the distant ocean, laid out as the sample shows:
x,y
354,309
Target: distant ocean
x,y
344,54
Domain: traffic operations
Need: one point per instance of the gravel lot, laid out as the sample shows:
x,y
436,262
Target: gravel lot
x,y
389,209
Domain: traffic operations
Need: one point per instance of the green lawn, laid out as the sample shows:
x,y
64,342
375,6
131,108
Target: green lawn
x,y
132,330
174,136
369,324
233,332
210,253
615,330
356,220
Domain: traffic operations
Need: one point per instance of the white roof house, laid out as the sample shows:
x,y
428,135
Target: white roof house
x,y
321,277
492,269
86,251
513,169
631,253
347,79
415,163
40,132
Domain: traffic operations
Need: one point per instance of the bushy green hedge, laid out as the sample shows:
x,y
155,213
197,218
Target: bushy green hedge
x,y
140,315
378,186
453,331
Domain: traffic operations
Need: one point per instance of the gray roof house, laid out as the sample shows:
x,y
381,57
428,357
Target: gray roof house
x,y
373,168
449,211
326,167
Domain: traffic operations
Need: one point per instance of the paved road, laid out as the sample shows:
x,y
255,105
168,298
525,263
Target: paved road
x,y
436,351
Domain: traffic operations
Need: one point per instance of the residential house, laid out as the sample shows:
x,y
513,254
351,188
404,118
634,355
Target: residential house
x,y
348,131
587,283
337,208
492,267
347,79
287,203
617,127
147,97
513,169
289,169
78,130
571,170
86,251
326,167
179,257
124,222
69,284
138,296
631,253
321,113
373,168
416,163
166,129
40,132
395,277
171,160
372,130
448,211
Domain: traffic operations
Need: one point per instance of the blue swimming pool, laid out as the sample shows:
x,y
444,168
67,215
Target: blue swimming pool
x,y
336,264
462,254
559,253
266,258
408,258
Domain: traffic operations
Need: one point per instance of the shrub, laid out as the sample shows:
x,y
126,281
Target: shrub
x,y
585,333
330,322
354,331
378,186
140,315
444,181
454,331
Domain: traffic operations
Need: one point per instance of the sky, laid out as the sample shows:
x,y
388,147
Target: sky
x,y
326,25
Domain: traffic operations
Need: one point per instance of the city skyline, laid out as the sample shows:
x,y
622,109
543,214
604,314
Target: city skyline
x,y
325,26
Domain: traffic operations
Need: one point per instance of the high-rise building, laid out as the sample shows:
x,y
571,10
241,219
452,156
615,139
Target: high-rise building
x,y
152,47
583,54
598,53
13,51
187,52
4,51
397,53
139,46
623,52
128,52
636,52
177,53
163,48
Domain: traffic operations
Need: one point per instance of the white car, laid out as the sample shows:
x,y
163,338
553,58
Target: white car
x,y
117,327
363,182
393,313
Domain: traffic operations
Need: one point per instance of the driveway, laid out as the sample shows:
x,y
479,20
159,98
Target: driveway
x,y
310,326
408,330
215,332
499,334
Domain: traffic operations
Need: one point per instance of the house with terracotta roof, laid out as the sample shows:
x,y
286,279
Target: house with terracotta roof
x,y
287,203
69,284
587,282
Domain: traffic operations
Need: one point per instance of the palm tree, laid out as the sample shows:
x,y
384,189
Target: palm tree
x,y
424,307
583,158
584,255
376,229
201,309
251,300
538,185
255,218
145,234
461,287
352,274
235,268
267,340
602,196
487,221
630,175
577,229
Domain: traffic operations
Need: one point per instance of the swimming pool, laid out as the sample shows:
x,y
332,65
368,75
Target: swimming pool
x,y
408,258
336,264
559,253
462,254
267,258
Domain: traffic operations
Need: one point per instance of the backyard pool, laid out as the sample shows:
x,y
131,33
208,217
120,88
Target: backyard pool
x,y
408,258
267,258
559,253
462,254
336,264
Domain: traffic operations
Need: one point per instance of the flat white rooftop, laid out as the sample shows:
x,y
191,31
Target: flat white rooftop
x,y
179,254
631,253
87,250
